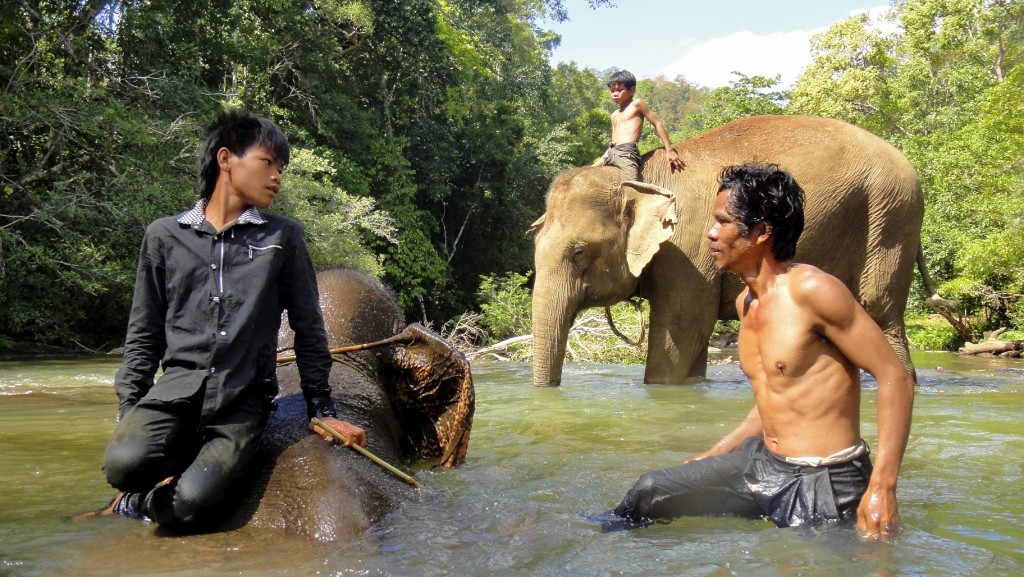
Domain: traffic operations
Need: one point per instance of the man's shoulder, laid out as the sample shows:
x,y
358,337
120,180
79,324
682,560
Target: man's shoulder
x,y
281,221
165,223
817,291
809,277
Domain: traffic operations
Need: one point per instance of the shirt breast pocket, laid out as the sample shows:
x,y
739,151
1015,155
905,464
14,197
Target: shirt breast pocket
x,y
260,251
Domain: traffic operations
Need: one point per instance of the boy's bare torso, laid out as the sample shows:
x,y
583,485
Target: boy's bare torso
x,y
627,123
807,392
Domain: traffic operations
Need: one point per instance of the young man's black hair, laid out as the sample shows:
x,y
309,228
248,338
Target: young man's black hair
x,y
237,130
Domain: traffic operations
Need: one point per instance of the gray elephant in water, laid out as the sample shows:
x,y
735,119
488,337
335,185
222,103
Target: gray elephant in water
x,y
603,240
414,398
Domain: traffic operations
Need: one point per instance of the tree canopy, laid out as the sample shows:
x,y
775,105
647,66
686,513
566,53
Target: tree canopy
x,y
425,133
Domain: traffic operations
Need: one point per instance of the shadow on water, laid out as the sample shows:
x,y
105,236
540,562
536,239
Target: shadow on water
x,y
540,460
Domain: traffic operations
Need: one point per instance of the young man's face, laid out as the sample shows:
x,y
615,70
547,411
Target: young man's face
x,y
728,245
620,94
254,177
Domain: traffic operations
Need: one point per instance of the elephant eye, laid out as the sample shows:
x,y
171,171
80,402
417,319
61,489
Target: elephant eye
x,y
578,255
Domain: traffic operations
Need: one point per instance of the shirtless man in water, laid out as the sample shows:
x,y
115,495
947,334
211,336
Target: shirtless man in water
x,y
798,457
628,124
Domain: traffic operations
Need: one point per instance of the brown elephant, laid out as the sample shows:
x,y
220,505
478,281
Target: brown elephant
x,y
414,398
603,240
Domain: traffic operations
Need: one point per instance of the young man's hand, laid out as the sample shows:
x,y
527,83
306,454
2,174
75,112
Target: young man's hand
x,y
878,516
352,433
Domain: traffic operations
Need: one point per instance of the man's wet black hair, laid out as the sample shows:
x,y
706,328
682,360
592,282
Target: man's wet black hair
x,y
237,130
763,193
624,77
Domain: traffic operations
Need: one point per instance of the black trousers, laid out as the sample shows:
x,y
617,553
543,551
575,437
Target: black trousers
x,y
158,439
749,482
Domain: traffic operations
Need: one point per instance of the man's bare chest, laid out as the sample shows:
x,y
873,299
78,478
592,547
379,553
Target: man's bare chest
x,y
779,343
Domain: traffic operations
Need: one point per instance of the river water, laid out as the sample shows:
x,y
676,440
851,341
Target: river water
x,y
539,460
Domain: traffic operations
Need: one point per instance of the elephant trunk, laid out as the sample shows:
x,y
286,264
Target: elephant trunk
x,y
553,312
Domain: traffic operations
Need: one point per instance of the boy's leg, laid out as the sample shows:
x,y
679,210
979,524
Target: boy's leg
x,y
710,486
229,445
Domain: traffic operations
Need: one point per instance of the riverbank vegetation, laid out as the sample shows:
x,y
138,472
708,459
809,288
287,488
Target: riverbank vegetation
x,y
426,133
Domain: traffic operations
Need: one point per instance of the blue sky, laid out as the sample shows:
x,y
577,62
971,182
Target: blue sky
x,y
703,40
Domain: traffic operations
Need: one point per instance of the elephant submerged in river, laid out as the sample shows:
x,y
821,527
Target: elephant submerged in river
x,y
414,398
602,240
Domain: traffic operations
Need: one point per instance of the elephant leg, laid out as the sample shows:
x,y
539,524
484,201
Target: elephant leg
x,y
684,307
677,355
433,397
897,336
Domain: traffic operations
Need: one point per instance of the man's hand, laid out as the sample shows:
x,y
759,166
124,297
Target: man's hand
x,y
877,515
674,162
352,433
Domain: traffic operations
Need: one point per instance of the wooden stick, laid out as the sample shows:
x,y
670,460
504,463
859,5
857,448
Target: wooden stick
x,y
368,454
402,337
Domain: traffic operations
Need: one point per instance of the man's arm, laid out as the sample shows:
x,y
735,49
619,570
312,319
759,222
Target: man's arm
x,y
847,325
145,342
750,426
302,299
674,162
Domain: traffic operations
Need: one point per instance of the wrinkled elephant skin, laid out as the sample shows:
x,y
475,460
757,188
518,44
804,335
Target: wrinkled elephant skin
x,y
602,241
415,401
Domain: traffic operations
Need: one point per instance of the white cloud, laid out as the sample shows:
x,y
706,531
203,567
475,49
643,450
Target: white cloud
x,y
712,63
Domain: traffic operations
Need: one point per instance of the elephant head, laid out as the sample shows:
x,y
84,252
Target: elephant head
x,y
594,239
410,390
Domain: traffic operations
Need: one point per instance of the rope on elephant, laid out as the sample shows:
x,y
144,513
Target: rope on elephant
x,y
391,469
401,338
640,315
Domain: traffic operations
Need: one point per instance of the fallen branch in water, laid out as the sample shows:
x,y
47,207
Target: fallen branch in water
x,y
499,347
993,347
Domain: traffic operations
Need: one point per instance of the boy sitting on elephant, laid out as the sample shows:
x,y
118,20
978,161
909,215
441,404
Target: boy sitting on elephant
x,y
627,125
211,286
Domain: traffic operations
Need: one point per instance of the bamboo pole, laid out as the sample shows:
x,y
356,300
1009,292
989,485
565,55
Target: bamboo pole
x,y
403,337
368,454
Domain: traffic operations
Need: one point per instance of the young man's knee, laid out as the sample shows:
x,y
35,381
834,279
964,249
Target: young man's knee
x,y
126,465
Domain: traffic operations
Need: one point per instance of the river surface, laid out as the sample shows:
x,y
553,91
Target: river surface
x,y
539,460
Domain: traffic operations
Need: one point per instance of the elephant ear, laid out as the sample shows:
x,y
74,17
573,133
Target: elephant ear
x,y
654,220
433,397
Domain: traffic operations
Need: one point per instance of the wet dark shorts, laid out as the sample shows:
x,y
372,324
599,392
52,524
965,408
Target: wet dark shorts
x,y
749,482
625,157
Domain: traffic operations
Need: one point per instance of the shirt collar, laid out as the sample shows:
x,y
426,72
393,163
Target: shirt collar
x,y
197,215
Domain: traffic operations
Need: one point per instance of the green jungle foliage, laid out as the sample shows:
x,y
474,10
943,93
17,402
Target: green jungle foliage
x,y
426,133
932,333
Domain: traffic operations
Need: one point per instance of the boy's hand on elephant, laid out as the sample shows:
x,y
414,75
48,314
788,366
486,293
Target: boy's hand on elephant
x,y
351,433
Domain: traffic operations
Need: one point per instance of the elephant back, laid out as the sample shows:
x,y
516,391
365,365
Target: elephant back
x,y
863,206
356,310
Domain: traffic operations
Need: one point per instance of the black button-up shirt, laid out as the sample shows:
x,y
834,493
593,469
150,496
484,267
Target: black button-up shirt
x,y
208,305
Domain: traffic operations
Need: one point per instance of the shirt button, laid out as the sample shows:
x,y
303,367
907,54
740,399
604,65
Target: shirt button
x,y
223,333
212,370
213,266
216,299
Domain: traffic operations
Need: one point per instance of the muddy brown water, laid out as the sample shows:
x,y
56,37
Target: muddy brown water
x,y
539,460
